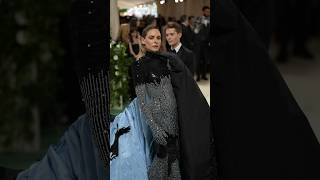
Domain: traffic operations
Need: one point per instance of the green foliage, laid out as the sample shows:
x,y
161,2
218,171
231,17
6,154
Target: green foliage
x,y
30,56
119,67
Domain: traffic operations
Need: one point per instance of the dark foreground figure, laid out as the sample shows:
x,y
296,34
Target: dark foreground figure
x,y
260,131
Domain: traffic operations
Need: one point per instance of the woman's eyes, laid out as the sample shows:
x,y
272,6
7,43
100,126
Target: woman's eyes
x,y
152,37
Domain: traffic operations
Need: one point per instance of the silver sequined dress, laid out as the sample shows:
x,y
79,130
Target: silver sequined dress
x,y
157,102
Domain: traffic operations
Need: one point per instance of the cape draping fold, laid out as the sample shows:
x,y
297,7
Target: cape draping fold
x,y
196,141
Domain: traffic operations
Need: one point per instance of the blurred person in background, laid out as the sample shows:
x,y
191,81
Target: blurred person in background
x,y
202,43
187,38
191,22
135,47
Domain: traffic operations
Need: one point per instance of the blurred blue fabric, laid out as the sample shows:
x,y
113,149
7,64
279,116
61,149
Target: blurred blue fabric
x,y
76,157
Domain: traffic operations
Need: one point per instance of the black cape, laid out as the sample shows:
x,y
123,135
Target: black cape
x,y
196,140
260,131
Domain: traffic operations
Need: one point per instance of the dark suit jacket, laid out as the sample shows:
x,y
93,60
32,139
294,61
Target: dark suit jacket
x,y
187,38
187,57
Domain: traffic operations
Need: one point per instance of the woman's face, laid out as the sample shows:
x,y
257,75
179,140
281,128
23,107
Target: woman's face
x,y
152,41
134,34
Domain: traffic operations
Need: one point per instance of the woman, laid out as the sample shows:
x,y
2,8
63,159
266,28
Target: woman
x,y
170,122
134,43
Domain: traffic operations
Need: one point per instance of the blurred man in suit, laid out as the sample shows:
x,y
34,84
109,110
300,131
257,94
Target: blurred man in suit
x,y
202,43
187,38
191,22
173,33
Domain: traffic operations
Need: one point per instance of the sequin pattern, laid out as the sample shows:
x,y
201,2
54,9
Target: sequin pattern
x,y
94,88
158,104
159,170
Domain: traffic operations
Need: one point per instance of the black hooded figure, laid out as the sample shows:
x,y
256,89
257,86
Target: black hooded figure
x,y
260,131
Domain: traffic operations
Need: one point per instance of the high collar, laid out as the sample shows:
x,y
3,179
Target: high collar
x,y
153,55
148,56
